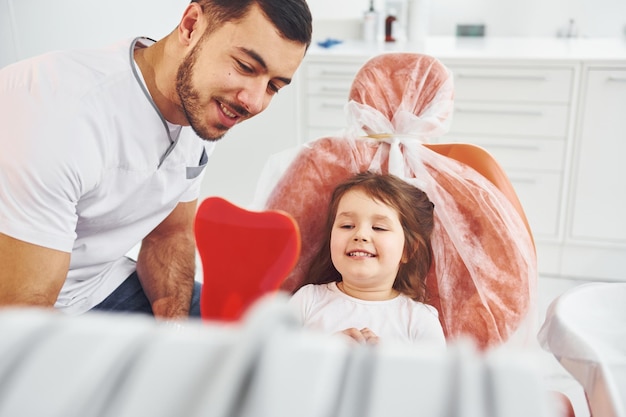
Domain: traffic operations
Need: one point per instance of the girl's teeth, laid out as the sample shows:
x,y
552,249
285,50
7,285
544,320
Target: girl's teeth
x,y
360,254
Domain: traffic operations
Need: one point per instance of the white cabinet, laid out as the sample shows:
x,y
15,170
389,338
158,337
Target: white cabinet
x,y
599,187
326,86
521,114
597,223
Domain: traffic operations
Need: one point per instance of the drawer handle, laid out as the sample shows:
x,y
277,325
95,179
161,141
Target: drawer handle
x,y
520,180
332,106
504,77
533,148
338,73
502,112
334,90
618,79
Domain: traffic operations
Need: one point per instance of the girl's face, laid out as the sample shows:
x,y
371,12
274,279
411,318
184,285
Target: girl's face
x,y
366,244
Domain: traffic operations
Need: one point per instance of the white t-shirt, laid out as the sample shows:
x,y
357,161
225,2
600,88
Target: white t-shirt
x,y
88,165
327,309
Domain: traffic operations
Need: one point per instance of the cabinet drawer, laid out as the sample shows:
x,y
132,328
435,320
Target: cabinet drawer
x,y
335,88
326,112
502,119
520,154
343,71
513,84
540,195
599,192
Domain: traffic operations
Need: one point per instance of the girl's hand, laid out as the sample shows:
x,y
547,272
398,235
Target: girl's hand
x,y
363,336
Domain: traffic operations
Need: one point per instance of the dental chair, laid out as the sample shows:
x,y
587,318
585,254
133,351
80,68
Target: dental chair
x,y
483,281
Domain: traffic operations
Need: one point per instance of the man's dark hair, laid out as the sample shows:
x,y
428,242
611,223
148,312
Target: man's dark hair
x,y
292,18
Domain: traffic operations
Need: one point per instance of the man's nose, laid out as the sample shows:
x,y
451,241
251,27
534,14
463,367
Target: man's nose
x,y
254,97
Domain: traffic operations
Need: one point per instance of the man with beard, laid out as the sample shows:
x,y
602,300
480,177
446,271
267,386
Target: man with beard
x,y
95,158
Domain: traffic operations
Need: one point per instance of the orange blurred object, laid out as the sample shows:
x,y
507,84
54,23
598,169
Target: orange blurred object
x,y
486,165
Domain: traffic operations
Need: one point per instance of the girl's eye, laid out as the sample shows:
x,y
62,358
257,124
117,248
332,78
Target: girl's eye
x,y
378,228
346,226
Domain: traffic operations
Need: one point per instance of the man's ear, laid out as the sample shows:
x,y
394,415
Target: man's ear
x,y
191,26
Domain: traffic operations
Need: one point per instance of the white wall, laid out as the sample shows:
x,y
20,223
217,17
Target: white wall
x,y
594,18
30,27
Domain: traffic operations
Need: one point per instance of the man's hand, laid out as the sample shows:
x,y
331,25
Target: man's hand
x,y
166,263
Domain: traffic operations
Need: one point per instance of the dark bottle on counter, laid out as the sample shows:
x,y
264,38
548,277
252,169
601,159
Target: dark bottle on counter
x,y
389,24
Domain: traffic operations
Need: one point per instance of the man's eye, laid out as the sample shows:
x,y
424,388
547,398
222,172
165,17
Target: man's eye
x,y
245,68
273,88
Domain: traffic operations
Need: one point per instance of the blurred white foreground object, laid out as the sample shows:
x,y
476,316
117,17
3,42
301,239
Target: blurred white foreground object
x,y
99,365
585,329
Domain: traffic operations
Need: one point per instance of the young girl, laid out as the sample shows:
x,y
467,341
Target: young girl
x,y
367,280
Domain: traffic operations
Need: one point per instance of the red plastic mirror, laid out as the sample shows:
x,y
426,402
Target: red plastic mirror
x,y
245,254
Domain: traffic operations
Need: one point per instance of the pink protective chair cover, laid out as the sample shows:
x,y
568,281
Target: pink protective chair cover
x,y
484,275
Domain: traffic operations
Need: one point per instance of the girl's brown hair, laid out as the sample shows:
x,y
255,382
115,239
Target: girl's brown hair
x,y
415,211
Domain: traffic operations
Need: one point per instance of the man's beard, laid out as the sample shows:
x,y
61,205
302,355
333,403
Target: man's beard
x,y
190,99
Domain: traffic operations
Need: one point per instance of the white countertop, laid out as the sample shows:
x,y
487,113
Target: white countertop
x,y
521,48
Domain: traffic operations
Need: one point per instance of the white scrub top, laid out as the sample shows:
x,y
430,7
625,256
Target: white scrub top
x,y
89,165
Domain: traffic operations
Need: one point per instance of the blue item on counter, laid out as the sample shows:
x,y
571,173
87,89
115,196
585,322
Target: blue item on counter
x,y
329,43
